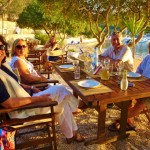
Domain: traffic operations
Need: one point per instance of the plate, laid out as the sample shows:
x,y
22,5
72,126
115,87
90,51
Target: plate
x,y
133,75
66,66
88,83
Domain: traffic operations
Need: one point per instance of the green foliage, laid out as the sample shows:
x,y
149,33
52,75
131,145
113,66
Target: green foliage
x,y
147,30
53,17
32,17
42,37
134,26
15,8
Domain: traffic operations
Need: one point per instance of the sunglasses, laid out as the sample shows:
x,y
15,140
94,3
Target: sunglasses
x,y
21,46
2,47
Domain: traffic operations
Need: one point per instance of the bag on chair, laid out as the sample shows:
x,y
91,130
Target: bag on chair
x,y
7,138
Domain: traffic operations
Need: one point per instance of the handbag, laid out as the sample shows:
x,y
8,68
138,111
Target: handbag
x,y
7,138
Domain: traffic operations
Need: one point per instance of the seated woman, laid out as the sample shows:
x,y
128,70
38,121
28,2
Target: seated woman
x,y
51,45
26,69
12,94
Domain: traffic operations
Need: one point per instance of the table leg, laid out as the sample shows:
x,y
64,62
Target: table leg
x,y
101,126
124,115
101,137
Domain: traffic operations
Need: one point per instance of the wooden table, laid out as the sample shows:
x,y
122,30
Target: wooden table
x,y
100,101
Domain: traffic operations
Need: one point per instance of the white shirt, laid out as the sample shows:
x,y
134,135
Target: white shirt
x,y
144,67
123,54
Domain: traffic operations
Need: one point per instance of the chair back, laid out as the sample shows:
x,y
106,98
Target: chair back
x,y
61,53
55,53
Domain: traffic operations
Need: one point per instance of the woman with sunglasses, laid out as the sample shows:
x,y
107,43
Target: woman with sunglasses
x,y
26,69
12,94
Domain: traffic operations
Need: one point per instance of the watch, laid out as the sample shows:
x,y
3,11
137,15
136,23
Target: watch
x,y
32,87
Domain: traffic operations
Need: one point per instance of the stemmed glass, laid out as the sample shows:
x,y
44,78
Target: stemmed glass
x,y
107,62
75,63
88,68
119,67
88,65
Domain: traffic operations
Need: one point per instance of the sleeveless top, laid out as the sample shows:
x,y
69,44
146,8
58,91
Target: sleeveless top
x,y
28,64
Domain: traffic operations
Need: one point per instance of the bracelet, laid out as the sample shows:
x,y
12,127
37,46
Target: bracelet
x,y
32,87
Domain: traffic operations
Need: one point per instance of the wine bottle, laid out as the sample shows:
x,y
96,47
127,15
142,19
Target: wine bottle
x,y
124,81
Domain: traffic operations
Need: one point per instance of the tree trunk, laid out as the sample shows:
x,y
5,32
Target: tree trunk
x,y
134,47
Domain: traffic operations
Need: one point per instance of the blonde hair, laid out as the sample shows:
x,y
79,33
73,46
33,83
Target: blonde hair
x,y
13,51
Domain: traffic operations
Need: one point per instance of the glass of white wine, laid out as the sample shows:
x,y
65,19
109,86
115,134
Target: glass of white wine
x,y
88,65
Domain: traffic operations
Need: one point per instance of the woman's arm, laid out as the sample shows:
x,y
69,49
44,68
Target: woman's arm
x,y
55,46
21,101
24,72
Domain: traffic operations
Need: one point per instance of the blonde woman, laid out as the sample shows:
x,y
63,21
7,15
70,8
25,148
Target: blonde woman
x,y
26,69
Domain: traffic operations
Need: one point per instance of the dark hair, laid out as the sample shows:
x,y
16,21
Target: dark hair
x,y
3,40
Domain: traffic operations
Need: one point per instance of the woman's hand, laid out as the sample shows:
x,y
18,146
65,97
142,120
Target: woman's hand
x,y
36,90
46,97
43,78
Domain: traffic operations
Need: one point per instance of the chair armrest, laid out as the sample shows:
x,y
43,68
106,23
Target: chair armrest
x,y
43,84
29,106
50,81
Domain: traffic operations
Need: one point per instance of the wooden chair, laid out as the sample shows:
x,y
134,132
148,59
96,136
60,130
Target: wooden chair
x,y
35,57
47,121
60,53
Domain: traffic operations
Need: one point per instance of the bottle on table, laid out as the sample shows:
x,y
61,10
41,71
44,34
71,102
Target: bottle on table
x,y
124,81
95,58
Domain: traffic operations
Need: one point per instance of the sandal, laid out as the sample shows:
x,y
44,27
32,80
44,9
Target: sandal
x,y
130,127
78,138
77,111
116,126
69,140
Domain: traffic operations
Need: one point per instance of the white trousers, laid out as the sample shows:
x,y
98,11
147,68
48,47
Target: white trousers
x,y
67,104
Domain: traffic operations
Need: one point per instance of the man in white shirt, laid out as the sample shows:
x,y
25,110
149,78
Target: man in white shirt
x,y
118,53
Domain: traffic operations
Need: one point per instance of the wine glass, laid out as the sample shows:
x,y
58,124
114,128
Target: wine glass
x,y
75,63
107,62
88,64
119,67
88,68
111,68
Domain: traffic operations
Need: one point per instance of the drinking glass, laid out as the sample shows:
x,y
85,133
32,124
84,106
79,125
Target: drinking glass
x,y
105,74
77,72
119,68
75,63
107,62
111,69
88,68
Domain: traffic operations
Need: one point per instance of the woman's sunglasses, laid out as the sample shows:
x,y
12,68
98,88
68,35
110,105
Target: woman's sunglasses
x,y
21,46
2,47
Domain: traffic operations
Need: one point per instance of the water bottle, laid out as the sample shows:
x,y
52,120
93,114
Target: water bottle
x,y
124,81
95,58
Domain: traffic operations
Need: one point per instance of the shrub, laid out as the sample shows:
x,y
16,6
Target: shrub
x,y
42,37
